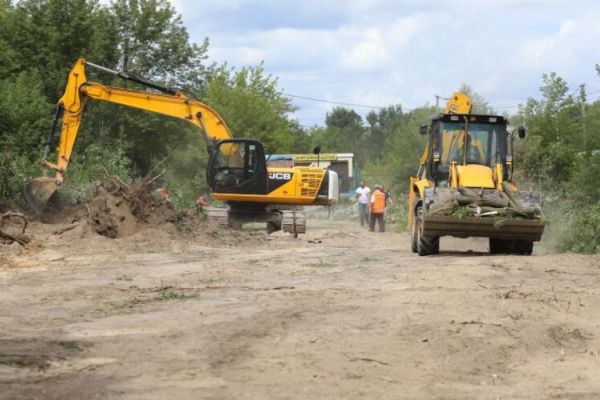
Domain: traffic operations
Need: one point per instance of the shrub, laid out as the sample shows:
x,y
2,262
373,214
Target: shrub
x,y
583,235
86,171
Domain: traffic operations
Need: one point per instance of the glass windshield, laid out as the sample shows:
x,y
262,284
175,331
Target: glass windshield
x,y
484,145
235,163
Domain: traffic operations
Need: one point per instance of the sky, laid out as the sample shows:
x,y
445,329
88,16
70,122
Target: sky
x,y
384,52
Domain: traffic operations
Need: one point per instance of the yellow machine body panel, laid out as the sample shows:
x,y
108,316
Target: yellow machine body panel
x,y
467,151
475,176
459,103
301,188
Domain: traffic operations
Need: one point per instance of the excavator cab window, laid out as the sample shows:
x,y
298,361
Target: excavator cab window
x,y
238,166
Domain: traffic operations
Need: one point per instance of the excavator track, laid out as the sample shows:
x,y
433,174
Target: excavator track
x,y
216,215
291,221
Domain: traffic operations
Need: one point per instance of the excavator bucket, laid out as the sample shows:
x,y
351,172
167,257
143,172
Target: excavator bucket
x,y
39,191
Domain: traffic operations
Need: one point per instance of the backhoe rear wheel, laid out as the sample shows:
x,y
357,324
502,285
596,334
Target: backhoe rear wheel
x,y
426,245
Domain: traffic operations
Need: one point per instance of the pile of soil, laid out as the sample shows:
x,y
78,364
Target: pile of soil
x,y
121,212
110,215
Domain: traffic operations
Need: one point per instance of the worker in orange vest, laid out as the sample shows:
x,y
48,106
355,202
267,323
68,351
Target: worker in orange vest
x,y
377,209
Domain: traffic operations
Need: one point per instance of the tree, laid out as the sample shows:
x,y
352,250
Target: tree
x,y
43,38
479,103
555,132
23,116
49,35
153,42
346,133
253,106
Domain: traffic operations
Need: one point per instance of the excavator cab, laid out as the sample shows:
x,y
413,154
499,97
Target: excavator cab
x,y
237,166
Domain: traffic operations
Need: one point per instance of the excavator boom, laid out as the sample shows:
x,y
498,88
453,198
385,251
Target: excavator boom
x,y
71,107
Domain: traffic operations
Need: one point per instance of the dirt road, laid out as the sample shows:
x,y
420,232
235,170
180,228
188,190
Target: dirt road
x,y
340,313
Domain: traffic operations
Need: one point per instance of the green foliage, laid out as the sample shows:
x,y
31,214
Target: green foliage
x,y
253,106
39,42
86,171
584,230
555,133
23,116
560,156
152,42
479,104
461,212
583,185
49,35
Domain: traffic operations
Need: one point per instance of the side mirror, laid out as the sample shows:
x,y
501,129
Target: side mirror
x,y
521,131
317,151
423,129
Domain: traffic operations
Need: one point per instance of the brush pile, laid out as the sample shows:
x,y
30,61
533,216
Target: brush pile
x,y
468,202
119,207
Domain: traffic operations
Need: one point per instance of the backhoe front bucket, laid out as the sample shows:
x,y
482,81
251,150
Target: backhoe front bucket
x,y
523,229
39,191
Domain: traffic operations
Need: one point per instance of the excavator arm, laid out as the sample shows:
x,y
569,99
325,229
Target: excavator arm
x,y
71,107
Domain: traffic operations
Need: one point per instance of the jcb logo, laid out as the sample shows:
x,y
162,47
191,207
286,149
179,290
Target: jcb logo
x,y
283,176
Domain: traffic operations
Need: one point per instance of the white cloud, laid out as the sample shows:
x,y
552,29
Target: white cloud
x,y
384,52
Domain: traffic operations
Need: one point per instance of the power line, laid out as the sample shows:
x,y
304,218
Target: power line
x,y
344,103
337,102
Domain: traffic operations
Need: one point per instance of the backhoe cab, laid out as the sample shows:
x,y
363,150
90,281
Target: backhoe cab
x,y
464,185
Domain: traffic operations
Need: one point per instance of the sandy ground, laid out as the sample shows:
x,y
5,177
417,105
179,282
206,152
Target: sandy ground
x,y
340,313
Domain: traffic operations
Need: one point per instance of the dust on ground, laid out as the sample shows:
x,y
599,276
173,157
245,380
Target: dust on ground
x,y
338,313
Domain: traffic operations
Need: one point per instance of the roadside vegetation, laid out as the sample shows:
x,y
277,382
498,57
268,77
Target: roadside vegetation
x,y
41,39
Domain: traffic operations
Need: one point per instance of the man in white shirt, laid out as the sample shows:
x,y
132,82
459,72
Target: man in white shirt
x,y
362,195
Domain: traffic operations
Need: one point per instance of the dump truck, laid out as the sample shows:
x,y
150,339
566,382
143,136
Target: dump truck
x,y
464,185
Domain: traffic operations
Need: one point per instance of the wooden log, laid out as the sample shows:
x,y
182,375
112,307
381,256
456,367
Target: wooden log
x,y
64,229
516,203
16,237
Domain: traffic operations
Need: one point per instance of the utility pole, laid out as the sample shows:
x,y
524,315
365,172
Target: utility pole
x,y
437,102
583,101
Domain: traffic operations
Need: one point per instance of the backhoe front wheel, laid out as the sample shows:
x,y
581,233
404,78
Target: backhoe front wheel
x,y
523,247
426,245
414,235
507,246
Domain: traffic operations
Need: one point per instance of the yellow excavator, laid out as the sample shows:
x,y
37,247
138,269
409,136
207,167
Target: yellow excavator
x,y
237,172
464,185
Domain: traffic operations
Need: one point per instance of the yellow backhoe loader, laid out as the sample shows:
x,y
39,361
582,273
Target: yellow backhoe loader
x,y
464,185
237,172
